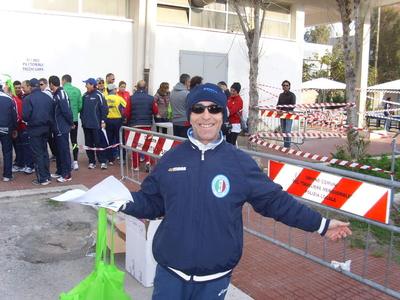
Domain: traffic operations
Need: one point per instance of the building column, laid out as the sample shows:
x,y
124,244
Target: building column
x,y
144,31
297,22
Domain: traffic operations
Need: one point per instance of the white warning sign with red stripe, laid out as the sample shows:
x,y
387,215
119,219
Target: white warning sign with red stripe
x,y
360,198
149,143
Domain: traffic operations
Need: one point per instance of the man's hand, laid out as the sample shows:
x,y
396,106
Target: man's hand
x,y
337,230
14,134
279,112
103,125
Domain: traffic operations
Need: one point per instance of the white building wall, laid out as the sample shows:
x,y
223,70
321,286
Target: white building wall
x,y
80,46
64,44
280,59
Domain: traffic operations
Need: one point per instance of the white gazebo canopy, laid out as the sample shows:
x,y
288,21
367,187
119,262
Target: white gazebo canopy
x,y
323,84
391,85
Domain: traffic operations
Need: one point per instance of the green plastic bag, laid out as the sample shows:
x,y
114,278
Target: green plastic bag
x,y
106,282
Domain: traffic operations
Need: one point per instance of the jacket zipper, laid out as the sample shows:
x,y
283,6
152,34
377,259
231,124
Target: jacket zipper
x,y
199,193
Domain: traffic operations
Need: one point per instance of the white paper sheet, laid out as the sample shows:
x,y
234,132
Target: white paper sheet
x,y
109,193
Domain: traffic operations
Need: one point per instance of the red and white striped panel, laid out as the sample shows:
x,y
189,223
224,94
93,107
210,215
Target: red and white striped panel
x,y
274,114
360,198
149,143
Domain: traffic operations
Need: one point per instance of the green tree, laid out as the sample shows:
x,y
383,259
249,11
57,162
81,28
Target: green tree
x,y
388,65
318,35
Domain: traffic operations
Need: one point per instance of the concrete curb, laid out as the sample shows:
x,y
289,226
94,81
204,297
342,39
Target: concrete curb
x,y
44,190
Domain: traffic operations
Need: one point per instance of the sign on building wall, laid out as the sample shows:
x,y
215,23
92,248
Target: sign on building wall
x,y
33,65
360,198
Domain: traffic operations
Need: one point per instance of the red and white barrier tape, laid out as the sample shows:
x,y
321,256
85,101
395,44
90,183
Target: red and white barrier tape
x,y
255,139
274,114
97,149
274,95
276,88
382,117
356,89
308,105
320,123
301,134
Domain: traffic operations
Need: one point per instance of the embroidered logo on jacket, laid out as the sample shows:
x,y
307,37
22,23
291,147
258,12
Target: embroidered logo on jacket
x,y
220,186
177,169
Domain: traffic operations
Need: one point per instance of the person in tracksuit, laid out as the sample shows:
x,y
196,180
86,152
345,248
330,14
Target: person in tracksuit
x,y
93,116
8,131
37,112
63,123
200,187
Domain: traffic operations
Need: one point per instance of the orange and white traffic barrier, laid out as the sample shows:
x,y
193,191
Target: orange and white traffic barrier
x,y
255,139
360,198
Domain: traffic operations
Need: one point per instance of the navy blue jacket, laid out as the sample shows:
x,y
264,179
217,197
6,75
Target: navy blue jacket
x,y
8,115
94,109
201,194
141,113
37,109
63,117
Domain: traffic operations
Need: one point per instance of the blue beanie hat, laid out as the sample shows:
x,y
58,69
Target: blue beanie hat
x,y
206,92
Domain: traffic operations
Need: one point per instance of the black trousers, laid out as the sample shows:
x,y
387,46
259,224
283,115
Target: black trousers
x,y
74,141
63,158
93,140
38,138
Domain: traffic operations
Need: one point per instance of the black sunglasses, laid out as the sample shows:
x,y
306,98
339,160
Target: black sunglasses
x,y
212,109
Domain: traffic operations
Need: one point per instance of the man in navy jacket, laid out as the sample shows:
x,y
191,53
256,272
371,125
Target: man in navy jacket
x,y
37,112
139,112
93,117
63,123
8,131
200,187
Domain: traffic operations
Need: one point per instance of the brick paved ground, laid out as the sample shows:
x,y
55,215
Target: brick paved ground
x,y
266,271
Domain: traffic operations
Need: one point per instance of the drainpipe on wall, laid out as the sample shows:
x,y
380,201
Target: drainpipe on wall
x,y
149,41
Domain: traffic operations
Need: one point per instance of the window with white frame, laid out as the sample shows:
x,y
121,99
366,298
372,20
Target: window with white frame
x,y
112,8
221,16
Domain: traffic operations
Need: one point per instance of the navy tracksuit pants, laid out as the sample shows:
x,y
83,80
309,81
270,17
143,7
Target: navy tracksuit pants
x,y
63,156
23,150
168,286
38,138
6,145
112,128
93,140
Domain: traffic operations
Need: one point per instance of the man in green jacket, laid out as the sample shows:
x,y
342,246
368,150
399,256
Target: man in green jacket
x,y
75,101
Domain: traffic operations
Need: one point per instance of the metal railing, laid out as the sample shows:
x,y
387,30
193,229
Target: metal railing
x,y
379,269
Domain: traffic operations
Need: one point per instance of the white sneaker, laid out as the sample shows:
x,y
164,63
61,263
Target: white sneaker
x,y
91,166
7,179
135,169
103,166
29,170
64,179
55,175
148,167
75,165
16,169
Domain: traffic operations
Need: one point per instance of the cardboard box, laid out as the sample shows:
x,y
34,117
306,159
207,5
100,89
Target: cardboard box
x,y
119,243
139,260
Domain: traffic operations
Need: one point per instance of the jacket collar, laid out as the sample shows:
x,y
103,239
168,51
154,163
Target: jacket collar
x,y
200,145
